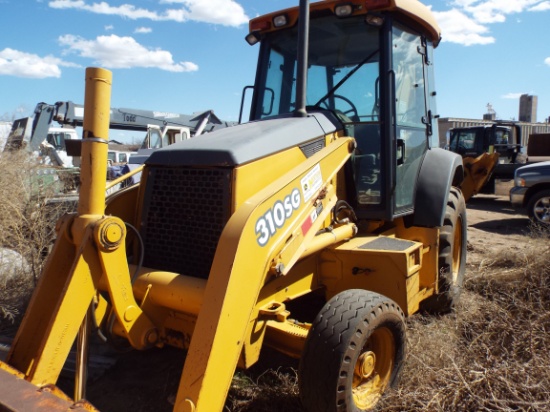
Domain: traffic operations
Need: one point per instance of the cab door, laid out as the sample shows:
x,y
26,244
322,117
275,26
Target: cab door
x,y
412,121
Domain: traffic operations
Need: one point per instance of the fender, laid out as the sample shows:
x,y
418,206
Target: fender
x,y
440,170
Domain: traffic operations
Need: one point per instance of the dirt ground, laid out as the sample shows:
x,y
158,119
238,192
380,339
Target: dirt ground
x,y
148,381
494,226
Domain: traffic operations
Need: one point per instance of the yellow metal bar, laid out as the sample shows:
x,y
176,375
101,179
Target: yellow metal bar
x,y
55,313
170,290
95,139
113,183
109,236
71,274
242,262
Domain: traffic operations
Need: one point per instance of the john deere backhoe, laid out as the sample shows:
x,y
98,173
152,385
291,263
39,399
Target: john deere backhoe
x,y
315,228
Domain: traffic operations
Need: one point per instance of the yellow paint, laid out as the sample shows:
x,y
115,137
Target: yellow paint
x,y
238,272
477,172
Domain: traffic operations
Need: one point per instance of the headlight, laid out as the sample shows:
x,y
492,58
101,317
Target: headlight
x,y
343,10
518,181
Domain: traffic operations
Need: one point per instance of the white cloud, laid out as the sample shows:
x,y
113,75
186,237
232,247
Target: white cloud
x,y
21,64
547,61
143,30
224,12
467,22
512,96
109,27
544,6
125,10
457,27
495,11
114,52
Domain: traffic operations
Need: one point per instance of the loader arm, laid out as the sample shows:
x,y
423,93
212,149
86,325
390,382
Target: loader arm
x,y
89,255
247,254
477,172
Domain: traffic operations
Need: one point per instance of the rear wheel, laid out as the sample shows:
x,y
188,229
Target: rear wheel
x,y
538,208
353,352
452,255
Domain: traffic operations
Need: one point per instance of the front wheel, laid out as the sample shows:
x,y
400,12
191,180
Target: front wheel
x,y
538,208
353,353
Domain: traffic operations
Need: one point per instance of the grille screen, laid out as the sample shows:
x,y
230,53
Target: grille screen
x,y
185,211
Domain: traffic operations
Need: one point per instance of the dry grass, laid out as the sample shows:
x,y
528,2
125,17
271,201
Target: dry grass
x,y
492,354
26,232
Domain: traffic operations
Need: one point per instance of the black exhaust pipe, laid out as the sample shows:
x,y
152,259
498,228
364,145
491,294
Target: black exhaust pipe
x,y
303,49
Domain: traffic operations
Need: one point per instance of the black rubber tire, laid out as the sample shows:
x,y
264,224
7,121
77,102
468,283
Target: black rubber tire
x,y
538,208
452,255
351,326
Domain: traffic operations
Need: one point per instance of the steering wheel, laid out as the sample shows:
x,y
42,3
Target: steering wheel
x,y
352,112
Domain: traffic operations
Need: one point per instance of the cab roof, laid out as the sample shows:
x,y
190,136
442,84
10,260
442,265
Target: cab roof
x,y
412,12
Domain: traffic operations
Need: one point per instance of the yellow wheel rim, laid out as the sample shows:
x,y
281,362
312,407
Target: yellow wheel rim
x,y
457,250
373,369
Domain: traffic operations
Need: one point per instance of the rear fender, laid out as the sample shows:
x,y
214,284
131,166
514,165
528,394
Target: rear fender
x,y
440,170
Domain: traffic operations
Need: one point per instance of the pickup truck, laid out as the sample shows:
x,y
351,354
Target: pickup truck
x,y
531,191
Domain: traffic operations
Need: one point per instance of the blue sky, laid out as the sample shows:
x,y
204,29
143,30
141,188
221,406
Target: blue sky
x,y
185,56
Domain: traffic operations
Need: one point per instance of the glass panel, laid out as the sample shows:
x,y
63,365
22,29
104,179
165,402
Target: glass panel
x,y
155,139
410,98
342,72
463,140
409,79
343,76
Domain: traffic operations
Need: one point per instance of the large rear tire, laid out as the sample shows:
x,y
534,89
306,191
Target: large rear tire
x,y
353,353
452,255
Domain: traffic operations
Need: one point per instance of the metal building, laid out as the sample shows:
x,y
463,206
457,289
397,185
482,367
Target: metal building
x,y
528,108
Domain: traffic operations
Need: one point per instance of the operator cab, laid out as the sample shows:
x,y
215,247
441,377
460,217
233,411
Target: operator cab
x,y
475,140
374,71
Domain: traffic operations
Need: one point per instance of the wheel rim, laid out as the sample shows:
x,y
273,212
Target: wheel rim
x,y
373,369
457,250
541,210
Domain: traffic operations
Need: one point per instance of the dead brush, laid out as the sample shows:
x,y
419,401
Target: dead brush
x,y
26,234
493,353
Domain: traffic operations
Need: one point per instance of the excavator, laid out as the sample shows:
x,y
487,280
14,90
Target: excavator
x,y
58,149
163,128
314,229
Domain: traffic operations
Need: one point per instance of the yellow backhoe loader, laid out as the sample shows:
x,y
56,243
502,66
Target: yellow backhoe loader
x,y
333,200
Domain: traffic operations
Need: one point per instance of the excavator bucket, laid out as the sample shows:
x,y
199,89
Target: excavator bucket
x,y
477,172
19,395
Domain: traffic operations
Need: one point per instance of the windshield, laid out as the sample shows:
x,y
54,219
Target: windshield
x,y
342,73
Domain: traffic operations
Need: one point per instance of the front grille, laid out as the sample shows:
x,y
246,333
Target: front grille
x,y
185,211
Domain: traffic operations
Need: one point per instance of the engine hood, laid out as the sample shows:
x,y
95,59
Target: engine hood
x,y
247,142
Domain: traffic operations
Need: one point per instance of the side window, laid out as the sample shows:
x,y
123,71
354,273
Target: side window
x,y
153,140
274,85
410,103
411,111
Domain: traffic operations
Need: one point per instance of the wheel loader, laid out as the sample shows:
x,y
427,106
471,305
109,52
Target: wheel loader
x,y
314,229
